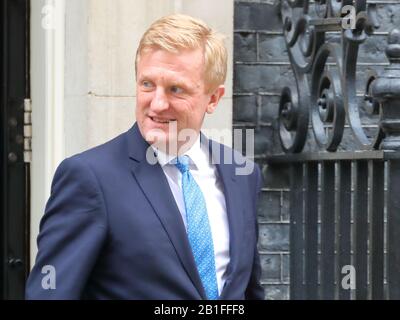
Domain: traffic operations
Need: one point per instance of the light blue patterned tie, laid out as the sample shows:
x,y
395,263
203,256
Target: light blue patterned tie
x,y
198,229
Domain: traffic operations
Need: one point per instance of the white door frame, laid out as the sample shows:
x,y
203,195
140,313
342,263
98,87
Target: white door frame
x,y
47,95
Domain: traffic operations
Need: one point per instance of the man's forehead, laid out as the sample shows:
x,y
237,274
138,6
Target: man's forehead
x,y
196,55
169,65
154,72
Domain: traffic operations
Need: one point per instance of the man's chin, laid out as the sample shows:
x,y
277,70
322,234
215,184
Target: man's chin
x,y
168,142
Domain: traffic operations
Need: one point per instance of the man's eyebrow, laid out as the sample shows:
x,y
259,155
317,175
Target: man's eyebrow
x,y
180,83
175,82
144,76
184,83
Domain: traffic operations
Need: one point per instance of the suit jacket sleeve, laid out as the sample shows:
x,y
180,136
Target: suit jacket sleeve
x,y
72,232
254,289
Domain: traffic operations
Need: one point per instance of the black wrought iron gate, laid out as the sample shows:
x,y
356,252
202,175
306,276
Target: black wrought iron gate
x,y
14,172
345,194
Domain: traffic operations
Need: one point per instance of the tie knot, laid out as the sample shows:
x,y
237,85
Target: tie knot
x,y
182,163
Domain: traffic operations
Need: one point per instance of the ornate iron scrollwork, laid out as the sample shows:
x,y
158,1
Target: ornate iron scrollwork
x,y
327,111
386,91
325,75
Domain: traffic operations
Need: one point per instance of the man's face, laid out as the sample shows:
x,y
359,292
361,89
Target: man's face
x,y
171,93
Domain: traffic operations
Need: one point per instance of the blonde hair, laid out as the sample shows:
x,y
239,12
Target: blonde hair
x,y
179,31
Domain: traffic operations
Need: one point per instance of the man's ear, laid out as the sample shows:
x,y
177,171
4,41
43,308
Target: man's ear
x,y
214,98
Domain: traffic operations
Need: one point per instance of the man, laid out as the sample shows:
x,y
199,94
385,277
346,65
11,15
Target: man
x,y
119,225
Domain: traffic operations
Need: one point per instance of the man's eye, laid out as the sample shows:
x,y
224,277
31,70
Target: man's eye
x,y
147,84
175,89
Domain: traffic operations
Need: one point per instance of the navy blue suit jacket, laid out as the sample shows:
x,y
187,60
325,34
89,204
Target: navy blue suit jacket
x,y
112,229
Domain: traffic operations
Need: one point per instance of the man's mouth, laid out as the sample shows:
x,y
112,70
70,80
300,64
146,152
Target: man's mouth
x,y
160,120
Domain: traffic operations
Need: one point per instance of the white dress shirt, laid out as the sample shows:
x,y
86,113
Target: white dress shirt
x,y
206,176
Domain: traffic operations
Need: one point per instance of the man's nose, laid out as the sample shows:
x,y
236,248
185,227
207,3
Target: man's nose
x,y
159,101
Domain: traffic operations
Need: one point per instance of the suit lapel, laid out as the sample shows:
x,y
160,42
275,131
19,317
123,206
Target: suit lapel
x,y
154,185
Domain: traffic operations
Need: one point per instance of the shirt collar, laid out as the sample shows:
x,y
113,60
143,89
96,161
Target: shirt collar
x,y
194,153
